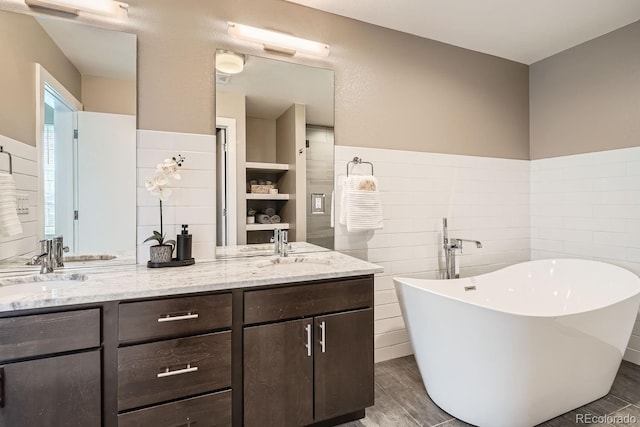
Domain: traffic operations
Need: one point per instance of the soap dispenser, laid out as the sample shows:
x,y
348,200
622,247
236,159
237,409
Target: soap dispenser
x,y
184,244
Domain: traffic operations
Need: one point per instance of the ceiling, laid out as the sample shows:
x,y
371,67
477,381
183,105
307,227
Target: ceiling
x,y
271,87
94,51
522,31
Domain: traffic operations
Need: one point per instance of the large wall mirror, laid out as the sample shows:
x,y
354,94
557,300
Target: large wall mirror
x,y
275,136
68,116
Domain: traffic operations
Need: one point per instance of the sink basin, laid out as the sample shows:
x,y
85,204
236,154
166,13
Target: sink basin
x,y
24,286
295,263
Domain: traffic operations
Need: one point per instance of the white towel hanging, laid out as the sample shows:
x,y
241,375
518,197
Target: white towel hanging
x,y
361,205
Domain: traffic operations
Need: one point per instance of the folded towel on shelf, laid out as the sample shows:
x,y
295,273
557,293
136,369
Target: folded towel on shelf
x,y
269,211
9,222
275,219
361,205
263,219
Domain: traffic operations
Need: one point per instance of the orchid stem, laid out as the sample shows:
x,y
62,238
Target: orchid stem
x,y
161,233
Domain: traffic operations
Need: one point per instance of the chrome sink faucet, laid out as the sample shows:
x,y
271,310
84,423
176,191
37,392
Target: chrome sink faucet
x,y
450,247
281,243
51,255
44,258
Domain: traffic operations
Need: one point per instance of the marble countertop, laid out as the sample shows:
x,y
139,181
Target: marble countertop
x,y
120,282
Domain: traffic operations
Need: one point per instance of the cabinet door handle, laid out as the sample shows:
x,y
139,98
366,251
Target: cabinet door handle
x,y
168,373
323,336
308,344
170,318
1,387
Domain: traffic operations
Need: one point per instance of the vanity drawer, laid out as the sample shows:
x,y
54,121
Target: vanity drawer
x,y
211,410
175,316
171,369
307,300
40,334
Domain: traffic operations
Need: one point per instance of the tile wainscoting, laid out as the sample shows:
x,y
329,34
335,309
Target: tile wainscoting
x,y
486,199
25,175
193,198
588,206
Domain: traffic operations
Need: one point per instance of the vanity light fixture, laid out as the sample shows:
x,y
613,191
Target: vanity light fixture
x,y
100,7
228,62
279,42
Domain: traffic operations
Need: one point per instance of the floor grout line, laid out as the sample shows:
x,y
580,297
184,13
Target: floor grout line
x,y
443,423
400,405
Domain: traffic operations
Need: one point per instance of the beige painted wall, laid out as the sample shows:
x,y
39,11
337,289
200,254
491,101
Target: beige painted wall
x,y
393,90
103,95
587,98
291,137
261,140
22,43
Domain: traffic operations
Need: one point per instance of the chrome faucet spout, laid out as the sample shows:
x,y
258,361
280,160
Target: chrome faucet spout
x,y
45,258
478,243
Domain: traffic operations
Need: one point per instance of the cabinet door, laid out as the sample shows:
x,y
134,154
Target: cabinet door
x,y
61,391
343,363
278,374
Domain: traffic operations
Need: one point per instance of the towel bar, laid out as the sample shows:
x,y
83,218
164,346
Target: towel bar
x,y
358,161
10,159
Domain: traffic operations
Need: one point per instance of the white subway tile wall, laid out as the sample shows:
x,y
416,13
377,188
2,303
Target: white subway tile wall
x,y
193,200
25,174
588,206
485,199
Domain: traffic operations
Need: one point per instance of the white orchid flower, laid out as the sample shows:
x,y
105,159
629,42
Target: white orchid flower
x,y
156,181
171,168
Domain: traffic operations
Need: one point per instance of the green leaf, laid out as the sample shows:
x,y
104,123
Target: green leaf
x,y
150,238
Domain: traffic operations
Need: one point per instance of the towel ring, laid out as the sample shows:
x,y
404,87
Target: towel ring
x,y
358,161
10,159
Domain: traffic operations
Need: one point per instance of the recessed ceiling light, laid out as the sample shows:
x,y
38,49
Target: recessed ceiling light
x,y
229,62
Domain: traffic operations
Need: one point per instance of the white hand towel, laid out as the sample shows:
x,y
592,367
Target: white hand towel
x,y
361,204
9,222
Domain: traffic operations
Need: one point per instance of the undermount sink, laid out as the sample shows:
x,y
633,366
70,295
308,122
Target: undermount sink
x,y
295,263
41,283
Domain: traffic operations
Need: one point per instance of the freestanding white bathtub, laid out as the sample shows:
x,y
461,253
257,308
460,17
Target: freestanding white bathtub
x,y
524,344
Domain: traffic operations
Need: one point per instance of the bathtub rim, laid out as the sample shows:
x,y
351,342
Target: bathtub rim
x,y
399,280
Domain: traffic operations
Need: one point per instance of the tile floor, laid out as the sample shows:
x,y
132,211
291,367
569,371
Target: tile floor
x,y
401,400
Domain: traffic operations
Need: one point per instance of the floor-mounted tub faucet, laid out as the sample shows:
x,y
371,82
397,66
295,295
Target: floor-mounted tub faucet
x,y
451,246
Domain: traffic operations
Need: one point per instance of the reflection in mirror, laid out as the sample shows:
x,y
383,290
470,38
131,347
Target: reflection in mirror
x,y
68,115
275,124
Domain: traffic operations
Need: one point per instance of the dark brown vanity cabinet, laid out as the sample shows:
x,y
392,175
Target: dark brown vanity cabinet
x,y
50,367
174,362
314,367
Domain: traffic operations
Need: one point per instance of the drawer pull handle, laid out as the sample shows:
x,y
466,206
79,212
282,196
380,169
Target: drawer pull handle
x,y
168,373
308,344
169,318
323,336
